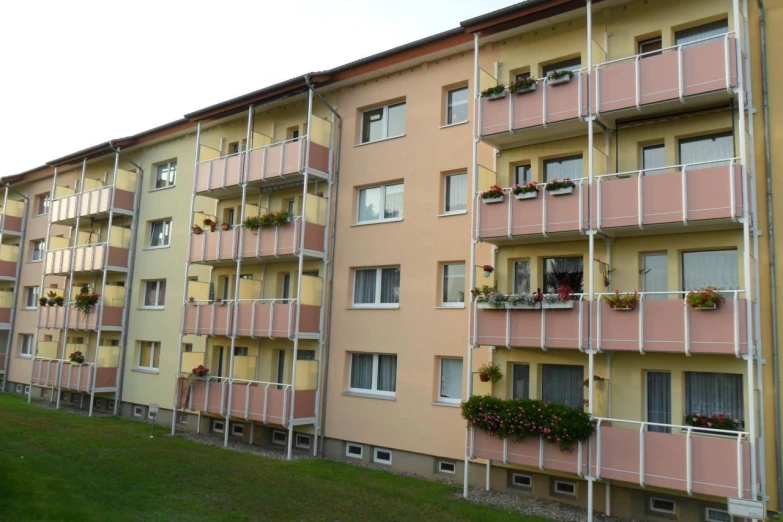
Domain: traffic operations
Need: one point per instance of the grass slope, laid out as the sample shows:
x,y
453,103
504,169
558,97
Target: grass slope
x,y
60,466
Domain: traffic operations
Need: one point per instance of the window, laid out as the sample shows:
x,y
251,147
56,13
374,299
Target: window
x,y
653,157
383,122
302,441
716,268
240,351
138,411
651,45
709,393
26,345
712,514
218,426
382,456
707,149
563,270
521,480
457,106
149,355
354,451
237,430
166,175
31,297
279,437
572,65
662,505
521,76
183,418
285,286
450,381
456,193
305,355
160,233
520,385
42,202
659,400
562,487
292,133
187,347
453,284
155,294
289,205
561,168
37,250
522,174
382,203
447,466
655,275
687,36
373,373
562,383
367,281
522,276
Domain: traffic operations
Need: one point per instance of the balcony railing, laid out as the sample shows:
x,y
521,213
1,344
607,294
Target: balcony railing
x,y
85,258
707,462
54,317
267,163
656,324
91,202
266,402
264,318
9,257
83,377
224,245
6,304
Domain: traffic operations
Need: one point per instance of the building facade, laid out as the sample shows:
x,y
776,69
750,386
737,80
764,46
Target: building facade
x,y
299,266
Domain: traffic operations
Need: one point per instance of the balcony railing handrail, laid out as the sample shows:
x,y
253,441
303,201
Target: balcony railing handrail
x,y
283,300
722,36
736,292
102,243
699,429
680,167
241,152
232,380
83,191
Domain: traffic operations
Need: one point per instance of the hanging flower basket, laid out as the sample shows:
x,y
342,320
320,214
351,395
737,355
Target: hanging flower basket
x,y
488,269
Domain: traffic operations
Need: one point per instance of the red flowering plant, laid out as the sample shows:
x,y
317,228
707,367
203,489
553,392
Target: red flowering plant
x,y
717,421
488,268
706,298
556,184
524,189
492,192
620,300
86,300
199,373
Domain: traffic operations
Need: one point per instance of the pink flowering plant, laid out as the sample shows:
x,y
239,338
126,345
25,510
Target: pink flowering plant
x,y
495,191
516,419
717,421
524,189
558,184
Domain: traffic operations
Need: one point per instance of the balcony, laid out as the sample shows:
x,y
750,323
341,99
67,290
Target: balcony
x,y
100,376
54,317
11,217
9,256
86,258
649,83
6,304
257,401
269,318
96,199
658,324
682,460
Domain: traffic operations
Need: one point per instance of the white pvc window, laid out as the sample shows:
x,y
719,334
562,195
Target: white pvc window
x,y
373,373
447,466
31,297
712,514
455,192
383,122
302,441
37,250
565,488
149,355
382,203
561,168
521,480
138,411
450,381
42,203
218,426
382,456
26,345
354,451
522,276
160,233
166,175
457,106
453,284
377,287
662,505
716,268
237,430
155,294
279,437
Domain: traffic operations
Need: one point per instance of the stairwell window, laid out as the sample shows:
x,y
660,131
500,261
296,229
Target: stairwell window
x,y
450,381
457,106
376,288
37,250
31,297
455,200
373,373
155,294
378,204
453,285
149,356
166,175
383,122
160,233
26,345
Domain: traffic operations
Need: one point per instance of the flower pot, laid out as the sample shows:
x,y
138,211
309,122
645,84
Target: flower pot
x,y
488,201
59,303
562,191
559,305
488,273
623,308
526,89
493,97
226,226
488,306
526,195
484,377
75,363
512,306
705,308
558,81
198,231
211,228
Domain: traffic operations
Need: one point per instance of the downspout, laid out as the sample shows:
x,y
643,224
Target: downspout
x,y
330,276
771,235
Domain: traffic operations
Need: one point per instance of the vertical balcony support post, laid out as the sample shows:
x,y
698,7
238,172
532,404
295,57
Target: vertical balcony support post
x,y
591,248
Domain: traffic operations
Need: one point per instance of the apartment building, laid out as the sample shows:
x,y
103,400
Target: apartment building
x,y
312,246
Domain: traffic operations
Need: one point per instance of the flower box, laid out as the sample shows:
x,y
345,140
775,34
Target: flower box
x,y
511,306
704,308
560,305
75,363
493,97
623,308
488,306
558,81
562,191
488,201
523,90
526,195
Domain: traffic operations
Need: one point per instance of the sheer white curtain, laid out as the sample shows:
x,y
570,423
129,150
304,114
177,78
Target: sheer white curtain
x,y
655,275
707,148
659,400
716,268
394,199
387,373
709,393
364,288
522,276
456,192
451,379
454,283
369,204
700,32
390,285
361,371
559,270
521,381
562,383
561,168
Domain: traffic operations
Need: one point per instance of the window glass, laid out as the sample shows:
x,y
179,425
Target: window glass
x,y
165,175
456,199
374,373
155,293
522,276
26,345
717,268
31,298
714,393
561,270
396,120
653,157
387,373
566,65
561,168
361,371
390,285
522,174
655,275
700,32
707,149
521,381
364,292
389,198
383,122
38,248
370,204
160,233
43,201
372,125
149,355
450,380
367,281
659,400
393,201
457,106
453,283
562,384
650,46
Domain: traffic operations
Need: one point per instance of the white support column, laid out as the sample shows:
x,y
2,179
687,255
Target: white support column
x,y
591,253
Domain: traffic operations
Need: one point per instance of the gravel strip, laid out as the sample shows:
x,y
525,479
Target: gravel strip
x,y
243,447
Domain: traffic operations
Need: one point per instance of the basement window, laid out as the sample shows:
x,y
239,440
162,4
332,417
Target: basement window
x,y
562,487
447,466
521,480
237,430
382,456
138,411
183,419
302,441
355,451
218,426
279,437
712,514
662,505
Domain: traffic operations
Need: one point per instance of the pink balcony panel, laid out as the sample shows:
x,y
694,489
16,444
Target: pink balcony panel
x,y
5,316
319,157
708,189
710,331
528,452
665,461
273,161
207,319
218,173
75,377
7,269
487,447
703,66
118,257
561,327
314,236
273,241
11,223
2,362
260,402
309,319
124,200
208,396
305,404
529,217
262,319
219,245
45,372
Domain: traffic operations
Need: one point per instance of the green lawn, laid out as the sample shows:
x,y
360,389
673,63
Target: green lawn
x,y
61,466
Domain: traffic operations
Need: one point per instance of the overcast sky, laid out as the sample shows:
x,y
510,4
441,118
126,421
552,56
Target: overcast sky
x,y
75,74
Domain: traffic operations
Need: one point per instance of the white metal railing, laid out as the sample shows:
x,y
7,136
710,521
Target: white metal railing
x,y
740,435
683,169
57,366
214,304
226,400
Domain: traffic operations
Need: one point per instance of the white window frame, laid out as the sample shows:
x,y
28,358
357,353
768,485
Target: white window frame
x,y
385,122
183,418
34,259
110,405
375,364
447,400
46,198
452,304
451,463
447,212
349,445
218,426
45,393
158,305
27,389
22,344
276,434
241,351
168,166
98,402
155,346
709,518
36,295
381,218
138,411
300,437
19,388
570,484
449,104
378,460
378,291
237,430
526,477
166,223
653,509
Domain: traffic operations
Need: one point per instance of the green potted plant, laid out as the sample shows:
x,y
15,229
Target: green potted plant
x,y
621,302
522,86
494,93
706,299
42,301
76,358
490,373
59,300
493,194
51,298
252,223
528,191
558,77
